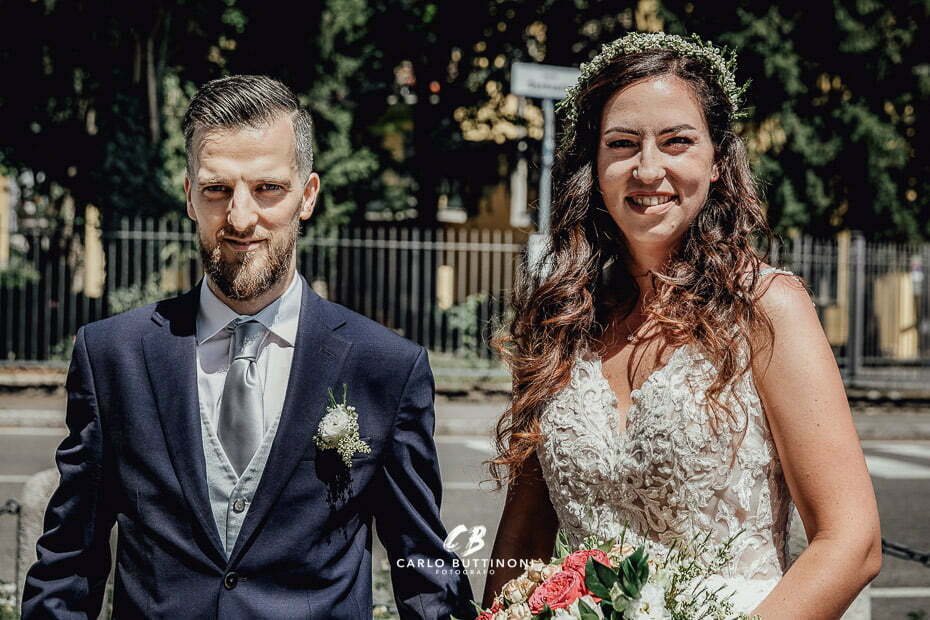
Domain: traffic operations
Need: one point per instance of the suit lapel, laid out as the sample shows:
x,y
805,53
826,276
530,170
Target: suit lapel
x,y
171,360
319,355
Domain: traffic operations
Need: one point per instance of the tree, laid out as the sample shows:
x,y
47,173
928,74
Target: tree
x,y
836,95
83,114
412,106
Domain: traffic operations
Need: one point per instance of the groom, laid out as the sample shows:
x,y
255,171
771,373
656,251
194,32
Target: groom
x,y
192,422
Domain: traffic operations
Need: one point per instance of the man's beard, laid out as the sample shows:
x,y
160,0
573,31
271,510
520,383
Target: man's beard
x,y
242,279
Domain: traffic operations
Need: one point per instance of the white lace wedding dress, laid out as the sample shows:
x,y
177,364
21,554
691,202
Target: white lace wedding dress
x,y
668,475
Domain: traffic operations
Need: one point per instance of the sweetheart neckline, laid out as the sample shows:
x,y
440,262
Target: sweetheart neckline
x,y
635,393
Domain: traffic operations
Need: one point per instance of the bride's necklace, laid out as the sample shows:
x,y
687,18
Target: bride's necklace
x,y
631,336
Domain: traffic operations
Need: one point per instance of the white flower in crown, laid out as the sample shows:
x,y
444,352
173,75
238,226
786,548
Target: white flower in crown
x,y
338,429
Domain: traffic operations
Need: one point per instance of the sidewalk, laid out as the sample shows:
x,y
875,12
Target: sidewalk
x,y
476,415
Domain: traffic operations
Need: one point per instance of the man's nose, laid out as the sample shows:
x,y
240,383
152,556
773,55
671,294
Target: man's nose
x,y
243,210
651,166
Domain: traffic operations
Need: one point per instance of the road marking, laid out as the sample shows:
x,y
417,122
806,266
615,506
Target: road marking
x,y
14,478
33,430
468,486
899,592
891,468
478,444
917,450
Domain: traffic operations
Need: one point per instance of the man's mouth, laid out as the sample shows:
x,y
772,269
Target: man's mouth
x,y
243,245
651,200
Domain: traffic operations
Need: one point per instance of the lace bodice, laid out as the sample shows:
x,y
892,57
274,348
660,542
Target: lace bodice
x,y
668,475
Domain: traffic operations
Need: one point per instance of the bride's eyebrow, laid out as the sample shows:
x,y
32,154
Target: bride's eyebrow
x,y
635,132
677,128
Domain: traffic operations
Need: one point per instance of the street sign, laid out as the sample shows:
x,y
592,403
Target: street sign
x,y
541,81
549,83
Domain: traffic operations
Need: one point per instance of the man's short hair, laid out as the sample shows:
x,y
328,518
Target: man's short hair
x,y
240,101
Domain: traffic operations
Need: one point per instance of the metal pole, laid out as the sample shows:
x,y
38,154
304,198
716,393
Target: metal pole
x,y
856,333
545,174
4,223
538,242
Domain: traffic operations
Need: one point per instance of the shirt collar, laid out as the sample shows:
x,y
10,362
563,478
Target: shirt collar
x,y
279,317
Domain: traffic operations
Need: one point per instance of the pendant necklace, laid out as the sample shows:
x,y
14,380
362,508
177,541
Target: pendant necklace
x,y
631,336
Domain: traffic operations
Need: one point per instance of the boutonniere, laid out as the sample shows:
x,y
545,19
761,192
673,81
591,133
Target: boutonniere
x,y
339,429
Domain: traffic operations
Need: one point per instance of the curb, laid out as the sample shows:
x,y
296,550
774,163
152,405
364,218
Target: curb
x,y
478,417
26,380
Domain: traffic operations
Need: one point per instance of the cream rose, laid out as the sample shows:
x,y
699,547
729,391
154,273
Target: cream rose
x,y
335,425
518,590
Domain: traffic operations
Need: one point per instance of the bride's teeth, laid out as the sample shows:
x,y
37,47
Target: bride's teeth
x,y
651,201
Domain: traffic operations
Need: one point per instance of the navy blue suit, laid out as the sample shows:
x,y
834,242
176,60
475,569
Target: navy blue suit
x,y
134,456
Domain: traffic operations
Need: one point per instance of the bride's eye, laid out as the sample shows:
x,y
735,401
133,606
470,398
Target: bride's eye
x,y
680,141
621,144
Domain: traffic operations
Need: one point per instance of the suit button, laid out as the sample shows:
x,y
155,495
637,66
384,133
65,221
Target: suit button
x,y
239,505
230,580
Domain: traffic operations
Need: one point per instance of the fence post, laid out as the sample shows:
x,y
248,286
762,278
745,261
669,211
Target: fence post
x,y
856,340
4,223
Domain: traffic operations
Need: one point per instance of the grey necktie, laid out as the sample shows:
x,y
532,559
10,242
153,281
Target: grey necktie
x,y
240,426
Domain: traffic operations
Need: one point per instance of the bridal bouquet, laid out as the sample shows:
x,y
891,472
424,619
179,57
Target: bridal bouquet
x,y
612,581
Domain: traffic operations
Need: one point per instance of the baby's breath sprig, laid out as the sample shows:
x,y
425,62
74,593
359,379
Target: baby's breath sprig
x,y
722,62
339,429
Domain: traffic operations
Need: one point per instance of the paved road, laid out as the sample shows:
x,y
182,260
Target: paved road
x,y
900,471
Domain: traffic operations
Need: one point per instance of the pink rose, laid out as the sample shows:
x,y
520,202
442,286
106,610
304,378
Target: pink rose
x,y
576,561
559,591
487,615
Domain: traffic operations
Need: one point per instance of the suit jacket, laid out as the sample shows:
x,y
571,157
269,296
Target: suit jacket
x,y
134,456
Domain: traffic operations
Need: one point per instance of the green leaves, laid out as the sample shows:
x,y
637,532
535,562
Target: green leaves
x,y
599,578
634,571
616,587
585,611
562,547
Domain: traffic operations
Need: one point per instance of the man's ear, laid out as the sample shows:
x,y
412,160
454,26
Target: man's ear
x,y
308,200
187,194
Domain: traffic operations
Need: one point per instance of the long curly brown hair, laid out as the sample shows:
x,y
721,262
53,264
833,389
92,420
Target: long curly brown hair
x,y
707,287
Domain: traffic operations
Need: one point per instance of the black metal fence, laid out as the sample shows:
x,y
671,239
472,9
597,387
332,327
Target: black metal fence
x,y
873,300
446,289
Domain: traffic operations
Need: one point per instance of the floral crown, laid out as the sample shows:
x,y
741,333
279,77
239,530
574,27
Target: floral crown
x,y
722,63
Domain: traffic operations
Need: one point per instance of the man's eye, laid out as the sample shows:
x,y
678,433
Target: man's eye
x,y
214,189
270,187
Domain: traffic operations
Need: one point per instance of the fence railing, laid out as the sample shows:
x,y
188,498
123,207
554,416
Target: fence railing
x,y
873,300
446,289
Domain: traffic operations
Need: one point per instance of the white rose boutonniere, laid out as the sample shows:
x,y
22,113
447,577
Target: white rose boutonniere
x,y
339,429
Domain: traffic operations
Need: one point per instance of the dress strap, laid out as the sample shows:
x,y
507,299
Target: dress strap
x,y
772,270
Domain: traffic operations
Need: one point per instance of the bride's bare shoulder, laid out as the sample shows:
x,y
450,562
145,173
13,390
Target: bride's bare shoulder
x,y
779,290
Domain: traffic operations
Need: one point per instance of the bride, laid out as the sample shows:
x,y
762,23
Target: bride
x,y
664,377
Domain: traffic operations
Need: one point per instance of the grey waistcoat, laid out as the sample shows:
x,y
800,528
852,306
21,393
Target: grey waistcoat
x,y
231,496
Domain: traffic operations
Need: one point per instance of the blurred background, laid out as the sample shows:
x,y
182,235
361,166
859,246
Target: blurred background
x,y
430,169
